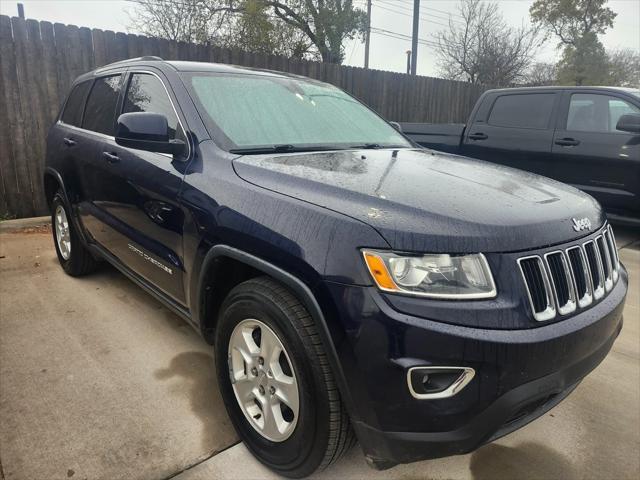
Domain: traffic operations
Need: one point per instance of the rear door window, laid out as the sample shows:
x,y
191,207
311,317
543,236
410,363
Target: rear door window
x,y
146,93
100,112
72,114
522,111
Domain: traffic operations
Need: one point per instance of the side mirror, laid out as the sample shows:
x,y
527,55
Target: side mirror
x,y
629,123
396,125
147,131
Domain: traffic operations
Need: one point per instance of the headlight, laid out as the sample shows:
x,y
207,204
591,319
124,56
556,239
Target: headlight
x,y
463,276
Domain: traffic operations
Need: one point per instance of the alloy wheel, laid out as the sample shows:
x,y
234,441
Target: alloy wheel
x,y
263,380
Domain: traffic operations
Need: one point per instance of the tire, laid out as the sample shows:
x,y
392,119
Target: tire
x,y
73,255
322,432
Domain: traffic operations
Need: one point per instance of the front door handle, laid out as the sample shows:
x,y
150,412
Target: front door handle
x,y
68,142
567,142
110,157
478,136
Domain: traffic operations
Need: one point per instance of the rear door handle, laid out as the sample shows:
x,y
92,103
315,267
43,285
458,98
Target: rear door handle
x,y
68,142
567,142
110,157
478,136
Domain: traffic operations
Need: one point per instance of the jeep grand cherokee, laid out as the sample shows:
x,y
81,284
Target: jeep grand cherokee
x,y
353,285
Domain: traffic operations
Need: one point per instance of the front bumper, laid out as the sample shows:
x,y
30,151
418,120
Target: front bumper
x,y
520,374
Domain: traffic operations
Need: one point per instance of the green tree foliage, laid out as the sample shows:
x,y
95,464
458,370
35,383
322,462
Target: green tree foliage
x,y
571,20
584,63
577,24
326,23
288,27
257,30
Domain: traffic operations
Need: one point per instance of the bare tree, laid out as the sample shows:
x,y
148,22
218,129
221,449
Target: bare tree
x,y
541,74
482,48
624,68
198,21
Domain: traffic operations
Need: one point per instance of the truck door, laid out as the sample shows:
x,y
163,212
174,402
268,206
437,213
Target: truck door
x,y
515,130
592,155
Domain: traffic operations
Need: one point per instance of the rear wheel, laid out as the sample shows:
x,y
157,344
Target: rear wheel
x,y
276,381
73,256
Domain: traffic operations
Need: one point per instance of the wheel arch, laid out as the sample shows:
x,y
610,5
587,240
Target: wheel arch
x,y
52,183
255,266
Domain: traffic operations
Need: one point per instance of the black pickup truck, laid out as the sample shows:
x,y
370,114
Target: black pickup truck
x,y
588,137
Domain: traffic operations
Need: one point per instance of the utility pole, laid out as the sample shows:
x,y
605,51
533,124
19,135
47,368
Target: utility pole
x,y
408,62
21,11
367,38
414,37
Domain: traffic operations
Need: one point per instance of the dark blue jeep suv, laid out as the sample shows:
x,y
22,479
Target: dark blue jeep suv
x,y
353,285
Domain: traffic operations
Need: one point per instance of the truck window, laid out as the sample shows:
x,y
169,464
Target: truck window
x,y
100,112
531,110
146,93
72,114
590,112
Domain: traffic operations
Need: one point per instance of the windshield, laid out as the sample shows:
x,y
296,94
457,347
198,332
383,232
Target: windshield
x,y
252,111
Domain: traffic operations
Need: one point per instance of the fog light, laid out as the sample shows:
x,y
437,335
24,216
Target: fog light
x,y
430,383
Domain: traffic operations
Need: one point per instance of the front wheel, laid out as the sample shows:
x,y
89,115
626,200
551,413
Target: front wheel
x,y
276,381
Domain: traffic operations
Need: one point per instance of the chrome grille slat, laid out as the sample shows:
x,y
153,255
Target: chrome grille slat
x,y
613,254
580,273
538,287
595,269
563,281
605,261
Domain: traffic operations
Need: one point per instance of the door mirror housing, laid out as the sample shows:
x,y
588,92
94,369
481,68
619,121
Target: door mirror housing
x,y
147,131
396,125
629,123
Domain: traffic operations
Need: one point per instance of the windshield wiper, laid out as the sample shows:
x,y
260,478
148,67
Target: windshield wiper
x,y
367,146
283,148
374,146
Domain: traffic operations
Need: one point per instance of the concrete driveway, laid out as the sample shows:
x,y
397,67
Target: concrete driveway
x,y
99,381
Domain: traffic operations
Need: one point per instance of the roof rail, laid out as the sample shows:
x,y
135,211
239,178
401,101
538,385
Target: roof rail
x,y
145,58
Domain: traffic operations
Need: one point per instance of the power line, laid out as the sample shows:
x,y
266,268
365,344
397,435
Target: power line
x,y
402,36
395,3
410,16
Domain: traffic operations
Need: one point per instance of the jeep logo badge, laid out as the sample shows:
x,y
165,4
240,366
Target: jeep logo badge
x,y
581,224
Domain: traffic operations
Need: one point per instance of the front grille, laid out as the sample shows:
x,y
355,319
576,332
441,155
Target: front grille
x,y
572,278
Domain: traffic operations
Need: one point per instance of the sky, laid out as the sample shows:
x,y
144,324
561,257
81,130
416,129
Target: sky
x,y
391,15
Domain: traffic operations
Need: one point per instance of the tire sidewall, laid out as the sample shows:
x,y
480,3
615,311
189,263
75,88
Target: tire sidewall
x,y
303,451
67,264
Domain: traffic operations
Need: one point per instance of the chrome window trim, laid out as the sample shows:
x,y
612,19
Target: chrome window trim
x,y
550,311
587,298
466,375
608,280
598,292
570,306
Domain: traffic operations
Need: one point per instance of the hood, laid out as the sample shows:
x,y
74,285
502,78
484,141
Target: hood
x,y
426,201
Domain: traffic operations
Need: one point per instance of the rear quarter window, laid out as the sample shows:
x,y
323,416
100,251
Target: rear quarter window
x,y
522,111
73,108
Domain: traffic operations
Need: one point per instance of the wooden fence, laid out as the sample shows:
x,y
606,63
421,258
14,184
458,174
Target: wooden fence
x,y
39,60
